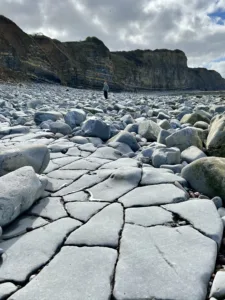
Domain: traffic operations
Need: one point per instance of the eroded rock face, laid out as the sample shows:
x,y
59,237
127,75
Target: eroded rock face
x,y
18,191
13,158
207,176
216,139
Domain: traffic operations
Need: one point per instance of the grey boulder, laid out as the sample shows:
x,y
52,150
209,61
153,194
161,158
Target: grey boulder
x,y
41,116
126,138
36,156
60,127
18,191
94,127
149,130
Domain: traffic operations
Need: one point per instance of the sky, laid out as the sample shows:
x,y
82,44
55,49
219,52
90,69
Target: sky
x,y
195,26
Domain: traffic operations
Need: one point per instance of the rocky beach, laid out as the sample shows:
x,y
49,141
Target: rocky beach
x,y
119,199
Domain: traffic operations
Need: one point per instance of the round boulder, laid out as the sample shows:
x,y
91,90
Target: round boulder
x,y
207,176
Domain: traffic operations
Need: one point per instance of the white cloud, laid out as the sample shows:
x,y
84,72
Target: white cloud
x,y
129,24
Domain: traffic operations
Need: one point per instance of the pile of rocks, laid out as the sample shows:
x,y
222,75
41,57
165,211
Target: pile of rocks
x,y
120,196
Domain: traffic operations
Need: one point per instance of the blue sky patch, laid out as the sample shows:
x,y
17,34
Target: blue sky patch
x,y
218,17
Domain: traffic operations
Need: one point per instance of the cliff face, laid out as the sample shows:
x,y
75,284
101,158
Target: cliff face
x,y
89,63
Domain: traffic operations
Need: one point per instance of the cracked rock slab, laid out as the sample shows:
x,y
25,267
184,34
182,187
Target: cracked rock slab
x,y
63,161
20,225
159,176
107,153
101,230
83,211
79,196
75,273
164,263
88,163
56,184
153,195
148,216
25,254
119,183
50,208
67,174
202,214
6,289
84,182
121,163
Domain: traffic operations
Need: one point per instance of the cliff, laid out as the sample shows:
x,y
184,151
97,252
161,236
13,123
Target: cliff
x,y
88,63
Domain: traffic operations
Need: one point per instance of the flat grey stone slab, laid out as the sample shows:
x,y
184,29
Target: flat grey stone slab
x,y
60,146
51,167
67,174
79,196
84,182
83,211
73,151
159,176
121,163
164,263
202,214
101,230
63,161
153,195
20,225
218,287
75,273
87,147
88,163
148,216
54,155
50,207
56,184
119,183
37,246
6,289
107,153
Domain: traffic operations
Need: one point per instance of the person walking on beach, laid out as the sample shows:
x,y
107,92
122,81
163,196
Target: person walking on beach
x,y
105,89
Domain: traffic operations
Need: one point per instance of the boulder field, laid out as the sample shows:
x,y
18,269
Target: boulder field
x,y
118,199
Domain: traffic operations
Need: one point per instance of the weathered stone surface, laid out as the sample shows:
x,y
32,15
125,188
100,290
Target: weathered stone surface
x,y
107,153
215,143
38,247
84,182
13,158
153,195
86,164
63,161
119,183
148,216
50,208
83,211
218,287
101,230
18,191
152,263
70,275
191,154
96,128
158,176
21,225
57,184
194,117
206,175
67,174
121,163
60,127
41,116
149,130
6,289
79,196
184,138
202,214
126,138
165,156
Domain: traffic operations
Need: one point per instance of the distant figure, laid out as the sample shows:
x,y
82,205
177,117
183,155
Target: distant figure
x,y
105,89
